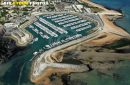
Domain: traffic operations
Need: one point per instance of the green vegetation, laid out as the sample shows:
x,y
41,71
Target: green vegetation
x,y
94,9
3,13
84,4
5,50
117,44
50,7
1,22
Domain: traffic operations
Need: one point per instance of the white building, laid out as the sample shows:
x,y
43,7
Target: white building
x,y
10,27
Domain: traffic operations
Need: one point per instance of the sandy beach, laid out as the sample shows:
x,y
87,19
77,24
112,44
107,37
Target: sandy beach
x,y
110,32
108,35
106,11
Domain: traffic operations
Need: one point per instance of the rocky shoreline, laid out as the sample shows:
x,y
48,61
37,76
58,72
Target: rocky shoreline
x,y
8,49
97,58
96,54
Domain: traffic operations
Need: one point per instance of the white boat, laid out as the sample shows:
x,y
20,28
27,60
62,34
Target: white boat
x,y
36,39
35,53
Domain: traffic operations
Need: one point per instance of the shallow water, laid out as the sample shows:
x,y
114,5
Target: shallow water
x,y
17,71
122,78
10,72
124,6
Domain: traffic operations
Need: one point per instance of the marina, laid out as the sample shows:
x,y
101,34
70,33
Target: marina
x,y
43,41
53,31
73,30
60,29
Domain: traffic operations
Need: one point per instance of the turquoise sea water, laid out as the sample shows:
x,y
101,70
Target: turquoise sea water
x,y
123,78
124,6
17,71
10,72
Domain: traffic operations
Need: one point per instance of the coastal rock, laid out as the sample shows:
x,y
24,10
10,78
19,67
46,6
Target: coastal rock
x,y
57,56
7,49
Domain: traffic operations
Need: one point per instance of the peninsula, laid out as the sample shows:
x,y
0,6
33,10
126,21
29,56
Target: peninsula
x,y
102,32
58,31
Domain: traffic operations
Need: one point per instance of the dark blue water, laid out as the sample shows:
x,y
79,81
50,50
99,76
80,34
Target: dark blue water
x,y
17,71
124,6
94,77
9,77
